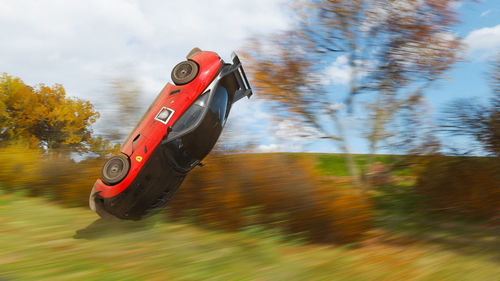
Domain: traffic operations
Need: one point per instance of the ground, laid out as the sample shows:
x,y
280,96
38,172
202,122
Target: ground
x,y
43,241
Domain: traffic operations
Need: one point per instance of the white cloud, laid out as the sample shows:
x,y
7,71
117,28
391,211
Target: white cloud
x,y
84,44
484,42
288,130
274,147
77,43
339,72
456,4
485,13
337,106
288,136
248,123
270,148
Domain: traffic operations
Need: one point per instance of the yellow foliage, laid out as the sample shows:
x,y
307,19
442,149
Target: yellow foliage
x,y
43,116
19,166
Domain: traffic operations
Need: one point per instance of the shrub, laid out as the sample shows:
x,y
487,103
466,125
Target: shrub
x,y
468,186
282,192
288,193
19,166
54,175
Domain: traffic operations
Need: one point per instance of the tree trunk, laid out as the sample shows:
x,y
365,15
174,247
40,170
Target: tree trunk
x,y
351,165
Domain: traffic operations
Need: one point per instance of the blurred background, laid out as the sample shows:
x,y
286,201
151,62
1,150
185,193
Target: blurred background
x,y
370,150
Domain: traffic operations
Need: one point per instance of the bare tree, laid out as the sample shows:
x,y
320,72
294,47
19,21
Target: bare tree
x,y
393,50
125,108
468,117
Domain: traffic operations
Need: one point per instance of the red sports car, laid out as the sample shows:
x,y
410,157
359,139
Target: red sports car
x,y
178,130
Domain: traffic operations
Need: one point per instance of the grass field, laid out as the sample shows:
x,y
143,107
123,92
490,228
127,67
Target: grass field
x,y
336,165
43,241
332,164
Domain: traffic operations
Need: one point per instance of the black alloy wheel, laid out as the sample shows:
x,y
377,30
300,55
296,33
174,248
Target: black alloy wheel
x,y
115,169
184,72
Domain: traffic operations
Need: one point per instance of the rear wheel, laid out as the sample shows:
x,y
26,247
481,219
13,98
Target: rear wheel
x,y
184,72
115,169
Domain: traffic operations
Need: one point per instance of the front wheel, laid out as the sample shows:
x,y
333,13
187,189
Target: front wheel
x,y
184,72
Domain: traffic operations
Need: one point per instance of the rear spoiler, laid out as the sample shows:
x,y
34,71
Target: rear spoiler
x,y
244,89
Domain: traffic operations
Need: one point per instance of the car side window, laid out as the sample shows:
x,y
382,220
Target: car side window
x,y
195,145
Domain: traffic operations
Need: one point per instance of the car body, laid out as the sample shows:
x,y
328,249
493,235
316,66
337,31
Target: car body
x,y
178,130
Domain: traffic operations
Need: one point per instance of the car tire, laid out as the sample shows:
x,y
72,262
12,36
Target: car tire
x,y
184,72
115,169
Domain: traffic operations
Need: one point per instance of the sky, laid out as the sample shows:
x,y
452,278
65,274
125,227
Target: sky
x,y
84,45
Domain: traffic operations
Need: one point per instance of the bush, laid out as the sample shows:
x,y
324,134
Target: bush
x,y
287,192
465,186
19,166
54,175
232,192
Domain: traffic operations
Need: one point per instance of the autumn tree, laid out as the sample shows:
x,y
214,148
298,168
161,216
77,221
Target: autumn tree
x,y
481,122
393,50
102,147
44,116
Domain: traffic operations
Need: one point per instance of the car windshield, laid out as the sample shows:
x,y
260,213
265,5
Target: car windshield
x,y
187,150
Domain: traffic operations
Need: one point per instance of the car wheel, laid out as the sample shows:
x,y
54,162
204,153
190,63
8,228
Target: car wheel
x,y
184,72
115,169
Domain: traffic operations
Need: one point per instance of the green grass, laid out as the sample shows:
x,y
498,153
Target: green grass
x,y
332,164
42,241
335,164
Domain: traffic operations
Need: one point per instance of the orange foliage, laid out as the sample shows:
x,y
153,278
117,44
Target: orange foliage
x,y
461,185
288,192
